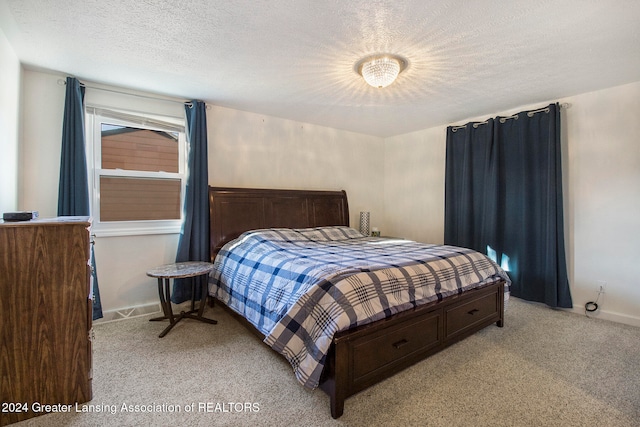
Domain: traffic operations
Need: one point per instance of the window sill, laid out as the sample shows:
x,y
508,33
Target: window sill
x,y
118,230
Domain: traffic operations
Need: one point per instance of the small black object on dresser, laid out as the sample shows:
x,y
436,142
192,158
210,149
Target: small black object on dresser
x,y
20,216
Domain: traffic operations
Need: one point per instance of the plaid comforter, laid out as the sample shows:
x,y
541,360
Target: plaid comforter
x,y
301,286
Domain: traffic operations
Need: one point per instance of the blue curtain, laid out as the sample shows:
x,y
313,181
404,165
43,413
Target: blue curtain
x,y
503,197
73,187
468,161
194,240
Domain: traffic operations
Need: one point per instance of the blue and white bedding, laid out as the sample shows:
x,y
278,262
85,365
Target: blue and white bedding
x,y
301,286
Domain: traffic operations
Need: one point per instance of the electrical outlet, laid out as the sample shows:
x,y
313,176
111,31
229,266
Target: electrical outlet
x,y
602,286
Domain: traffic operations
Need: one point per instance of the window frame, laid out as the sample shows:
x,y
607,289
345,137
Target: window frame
x,y
95,116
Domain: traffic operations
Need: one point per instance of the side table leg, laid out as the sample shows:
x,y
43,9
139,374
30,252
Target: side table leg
x,y
203,297
165,302
205,291
167,294
164,293
193,292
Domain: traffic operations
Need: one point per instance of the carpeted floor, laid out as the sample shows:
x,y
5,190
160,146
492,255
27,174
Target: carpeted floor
x,y
544,368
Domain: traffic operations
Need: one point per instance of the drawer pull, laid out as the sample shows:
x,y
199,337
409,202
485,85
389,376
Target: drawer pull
x,y
472,312
400,343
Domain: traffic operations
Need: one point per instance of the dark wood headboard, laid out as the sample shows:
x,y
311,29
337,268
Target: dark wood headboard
x,y
236,210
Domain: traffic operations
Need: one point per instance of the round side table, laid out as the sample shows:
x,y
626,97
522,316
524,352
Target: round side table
x,y
164,274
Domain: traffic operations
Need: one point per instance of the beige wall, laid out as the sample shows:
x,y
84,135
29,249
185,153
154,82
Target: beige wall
x,y
414,185
603,135
10,71
252,150
601,156
40,142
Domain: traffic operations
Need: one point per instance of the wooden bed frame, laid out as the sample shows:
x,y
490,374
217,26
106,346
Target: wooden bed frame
x,y
364,356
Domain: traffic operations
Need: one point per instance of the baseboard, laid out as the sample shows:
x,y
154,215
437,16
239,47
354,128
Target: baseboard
x,y
607,315
140,310
128,313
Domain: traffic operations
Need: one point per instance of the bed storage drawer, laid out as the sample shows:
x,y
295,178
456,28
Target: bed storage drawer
x,y
393,345
470,315
399,342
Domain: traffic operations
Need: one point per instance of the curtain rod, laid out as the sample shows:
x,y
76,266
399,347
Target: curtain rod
x,y
563,106
62,82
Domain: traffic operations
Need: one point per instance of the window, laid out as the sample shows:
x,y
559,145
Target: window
x,y
139,169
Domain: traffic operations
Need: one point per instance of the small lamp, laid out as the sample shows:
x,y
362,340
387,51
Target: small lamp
x,y
364,223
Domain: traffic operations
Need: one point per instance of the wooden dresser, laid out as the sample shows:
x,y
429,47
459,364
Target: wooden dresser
x,y
45,316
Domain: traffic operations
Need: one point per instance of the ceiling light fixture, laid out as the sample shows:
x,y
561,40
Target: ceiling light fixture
x,y
380,70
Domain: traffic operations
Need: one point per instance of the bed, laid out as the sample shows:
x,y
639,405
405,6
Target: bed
x,y
298,245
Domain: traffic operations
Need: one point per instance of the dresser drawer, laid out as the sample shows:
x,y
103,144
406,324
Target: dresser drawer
x,y
469,315
394,344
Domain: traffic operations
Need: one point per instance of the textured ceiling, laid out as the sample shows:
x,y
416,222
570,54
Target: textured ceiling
x,y
295,58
